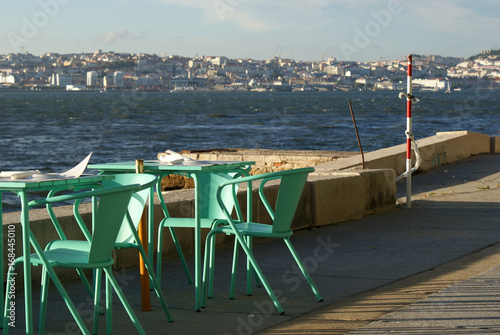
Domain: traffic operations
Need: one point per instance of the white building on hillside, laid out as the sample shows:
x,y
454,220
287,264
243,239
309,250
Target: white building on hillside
x,y
61,79
7,78
118,79
433,84
92,78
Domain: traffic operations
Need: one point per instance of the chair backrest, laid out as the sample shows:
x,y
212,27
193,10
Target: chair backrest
x,y
108,219
209,183
136,204
290,190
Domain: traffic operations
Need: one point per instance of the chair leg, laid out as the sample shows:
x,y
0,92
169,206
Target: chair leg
x,y
50,272
181,254
303,269
87,285
211,266
8,295
158,253
257,280
155,282
43,301
234,268
67,300
208,269
109,307
249,266
250,270
123,299
204,279
97,298
259,273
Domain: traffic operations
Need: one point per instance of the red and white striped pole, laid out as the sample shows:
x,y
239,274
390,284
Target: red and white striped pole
x,y
409,136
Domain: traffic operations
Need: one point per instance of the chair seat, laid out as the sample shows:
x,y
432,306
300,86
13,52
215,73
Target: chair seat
x,y
186,222
69,244
254,229
70,258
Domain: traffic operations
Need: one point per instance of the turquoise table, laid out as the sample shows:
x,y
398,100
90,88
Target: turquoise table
x,y
22,187
190,169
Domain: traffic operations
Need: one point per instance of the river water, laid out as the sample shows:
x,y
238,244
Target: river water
x,y
52,131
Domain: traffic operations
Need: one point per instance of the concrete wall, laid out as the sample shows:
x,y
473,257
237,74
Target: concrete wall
x,y
442,148
344,196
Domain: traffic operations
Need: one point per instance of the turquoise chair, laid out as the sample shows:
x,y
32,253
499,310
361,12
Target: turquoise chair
x,y
210,211
290,190
127,236
115,200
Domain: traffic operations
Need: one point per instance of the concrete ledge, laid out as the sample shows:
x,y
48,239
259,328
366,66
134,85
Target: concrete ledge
x,y
344,196
267,160
495,144
440,149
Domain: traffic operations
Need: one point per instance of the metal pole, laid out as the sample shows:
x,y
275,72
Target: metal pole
x,y
357,135
408,133
143,236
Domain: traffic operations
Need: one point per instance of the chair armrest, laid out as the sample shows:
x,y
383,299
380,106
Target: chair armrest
x,y
267,176
81,195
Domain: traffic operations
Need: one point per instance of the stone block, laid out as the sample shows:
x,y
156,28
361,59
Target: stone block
x,y
258,159
336,198
304,215
495,144
229,157
478,143
174,182
345,196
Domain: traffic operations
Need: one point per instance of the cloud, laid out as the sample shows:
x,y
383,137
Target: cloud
x,y
432,25
258,15
121,35
464,18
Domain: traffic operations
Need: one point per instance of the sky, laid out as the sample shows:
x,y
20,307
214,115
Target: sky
x,y
308,30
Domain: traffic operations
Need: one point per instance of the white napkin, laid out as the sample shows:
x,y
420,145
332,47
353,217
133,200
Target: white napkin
x,y
172,157
78,170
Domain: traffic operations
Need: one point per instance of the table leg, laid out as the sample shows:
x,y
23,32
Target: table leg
x,y
1,257
197,243
25,222
143,236
151,210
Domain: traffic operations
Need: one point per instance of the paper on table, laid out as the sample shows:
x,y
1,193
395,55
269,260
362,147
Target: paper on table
x,y
78,170
74,172
172,157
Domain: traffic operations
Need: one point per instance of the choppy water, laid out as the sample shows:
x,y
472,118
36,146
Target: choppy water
x,y
52,131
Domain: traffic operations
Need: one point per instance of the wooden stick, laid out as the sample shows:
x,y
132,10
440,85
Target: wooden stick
x,y
143,236
357,135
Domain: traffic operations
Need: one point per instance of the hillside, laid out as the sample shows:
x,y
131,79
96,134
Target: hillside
x,y
491,54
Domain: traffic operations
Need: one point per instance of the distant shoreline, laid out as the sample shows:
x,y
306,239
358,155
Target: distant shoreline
x,y
60,90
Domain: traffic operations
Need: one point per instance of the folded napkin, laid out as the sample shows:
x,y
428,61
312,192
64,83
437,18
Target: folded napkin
x,y
78,170
172,157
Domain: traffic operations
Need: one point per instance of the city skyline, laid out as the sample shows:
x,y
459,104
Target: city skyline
x,y
310,30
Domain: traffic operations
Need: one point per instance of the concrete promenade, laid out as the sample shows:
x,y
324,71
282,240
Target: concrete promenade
x,y
429,269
